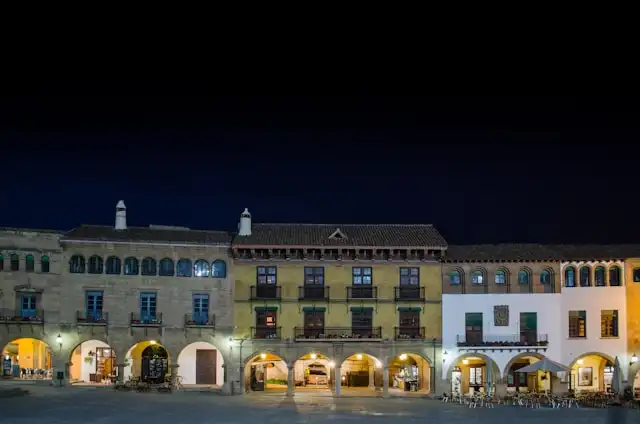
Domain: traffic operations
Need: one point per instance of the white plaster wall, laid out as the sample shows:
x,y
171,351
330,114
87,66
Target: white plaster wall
x,y
85,368
187,363
455,306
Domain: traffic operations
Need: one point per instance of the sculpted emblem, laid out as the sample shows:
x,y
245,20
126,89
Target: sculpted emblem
x,y
501,315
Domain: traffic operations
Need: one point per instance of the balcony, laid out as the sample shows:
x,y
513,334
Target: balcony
x,y
313,293
138,320
92,318
31,316
362,292
409,333
265,333
266,292
199,321
338,333
409,294
525,339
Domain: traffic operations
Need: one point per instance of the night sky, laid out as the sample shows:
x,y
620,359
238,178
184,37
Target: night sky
x,y
481,169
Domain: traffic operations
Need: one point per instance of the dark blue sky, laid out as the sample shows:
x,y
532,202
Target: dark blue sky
x,y
482,169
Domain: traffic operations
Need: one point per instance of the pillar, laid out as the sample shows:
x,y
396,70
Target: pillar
x,y
385,381
120,373
173,369
338,381
291,385
372,380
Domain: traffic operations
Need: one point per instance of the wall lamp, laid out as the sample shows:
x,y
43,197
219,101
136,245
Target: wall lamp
x,y
634,359
59,340
444,356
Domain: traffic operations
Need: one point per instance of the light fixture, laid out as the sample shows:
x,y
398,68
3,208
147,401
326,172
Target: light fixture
x,y
444,356
403,357
152,342
378,364
634,359
314,356
359,357
580,361
263,356
332,364
59,339
465,361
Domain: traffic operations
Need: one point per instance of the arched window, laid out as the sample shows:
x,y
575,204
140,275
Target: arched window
x,y
131,266
44,264
166,268
1,263
201,268
636,275
545,277
184,268
614,276
15,262
150,267
501,276
599,276
455,278
523,276
30,263
114,265
585,276
96,265
570,276
477,277
77,264
219,269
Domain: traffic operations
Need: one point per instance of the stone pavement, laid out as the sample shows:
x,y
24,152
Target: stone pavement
x,y
104,406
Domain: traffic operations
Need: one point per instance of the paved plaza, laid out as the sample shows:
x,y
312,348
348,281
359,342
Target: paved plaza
x,y
103,406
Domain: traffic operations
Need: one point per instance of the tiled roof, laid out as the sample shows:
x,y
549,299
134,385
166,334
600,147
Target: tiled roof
x,y
378,235
540,252
149,235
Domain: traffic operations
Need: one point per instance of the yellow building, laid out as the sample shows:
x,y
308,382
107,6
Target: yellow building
x,y
632,279
355,303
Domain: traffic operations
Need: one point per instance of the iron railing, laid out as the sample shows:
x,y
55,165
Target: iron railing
x,y
409,333
313,293
362,292
146,319
341,333
92,317
265,333
266,291
409,293
475,339
22,316
199,320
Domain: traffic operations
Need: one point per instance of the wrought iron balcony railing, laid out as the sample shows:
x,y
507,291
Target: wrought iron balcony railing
x,y
362,292
92,317
341,333
146,320
266,291
474,339
199,320
409,333
409,293
32,316
313,293
265,333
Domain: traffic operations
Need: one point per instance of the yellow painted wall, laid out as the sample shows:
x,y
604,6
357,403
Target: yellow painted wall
x,y
633,307
32,353
76,364
337,277
597,364
135,358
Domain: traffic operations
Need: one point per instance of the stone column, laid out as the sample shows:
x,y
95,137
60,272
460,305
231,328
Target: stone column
x,y
174,374
372,379
385,381
120,373
291,384
338,381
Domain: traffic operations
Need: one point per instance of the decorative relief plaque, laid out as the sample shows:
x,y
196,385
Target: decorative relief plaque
x,y
501,315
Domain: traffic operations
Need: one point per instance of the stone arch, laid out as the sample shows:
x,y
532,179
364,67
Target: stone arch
x,y
221,345
92,355
256,354
33,352
267,362
487,360
326,351
413,352
521,355
379,356
582,355
597,370
187,362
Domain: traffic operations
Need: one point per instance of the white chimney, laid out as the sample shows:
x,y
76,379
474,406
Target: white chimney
x,y
121,216
244,229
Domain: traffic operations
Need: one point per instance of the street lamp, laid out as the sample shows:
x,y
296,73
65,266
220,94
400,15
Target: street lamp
x,y
59,340
634,359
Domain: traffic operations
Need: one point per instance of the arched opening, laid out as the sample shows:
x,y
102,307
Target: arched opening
x,y
526,381
591,372
147,361
313,371
635,378
27,358
473,372
409,372
93,362
265,371
360,372
201,363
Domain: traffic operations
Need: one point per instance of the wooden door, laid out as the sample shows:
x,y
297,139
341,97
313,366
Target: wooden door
x,y
206,366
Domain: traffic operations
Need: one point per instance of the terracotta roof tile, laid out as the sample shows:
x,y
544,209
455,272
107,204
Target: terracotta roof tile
x,y
149,235
539,252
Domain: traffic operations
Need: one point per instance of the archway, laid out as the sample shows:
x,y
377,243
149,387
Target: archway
x,y
201,363
265,371
525,382
591,371
313,371
360,371
147,361
409,372
473,372
93,362
27,358
635,383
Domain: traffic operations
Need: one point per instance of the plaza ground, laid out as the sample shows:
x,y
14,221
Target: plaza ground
x,y
89,404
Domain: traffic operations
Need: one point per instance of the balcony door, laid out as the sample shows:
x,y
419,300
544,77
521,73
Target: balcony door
x,y
409,324
314,282
313,324
200,309
362,322
266,324
266,282
28,307
94,305
473,328
147,307
529,328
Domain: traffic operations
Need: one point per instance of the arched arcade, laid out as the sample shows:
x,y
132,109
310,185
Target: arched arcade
x,y
147,361
201,363
473,372
591,371
27,358
93,362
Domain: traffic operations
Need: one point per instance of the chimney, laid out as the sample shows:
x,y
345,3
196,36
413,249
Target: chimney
x,y
244,229
121,216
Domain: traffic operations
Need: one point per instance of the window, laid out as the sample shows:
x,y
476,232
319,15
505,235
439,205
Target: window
x,y
410,319
94,305
96,265
131,266
599,275
77,264
545,277
219,269
28,307
609,323
501,277
636,275
614,276
201,309
409,276
1,263
44,264
266,323
361,276
313,276
577,324
149,266
570,277
529,328
455,278
201,268
523,276
184,268
314,320
147,307
15,262
473,328
585,276
114,265
30,263
475,376
267,275
362,318
477,277
166,268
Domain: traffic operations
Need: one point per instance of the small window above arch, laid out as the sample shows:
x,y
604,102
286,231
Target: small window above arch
x,y
600,276
184,268
96,265
477,277
524,276
546,277
201,268
45,264
636,275
1,263
570,276
455,278
29,263
166,268
14,259
77,264
219,269
114,265
501,277
585,276
614,276
150,267
131,266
